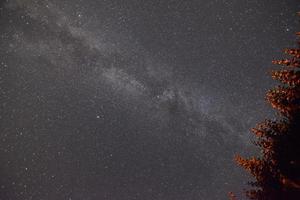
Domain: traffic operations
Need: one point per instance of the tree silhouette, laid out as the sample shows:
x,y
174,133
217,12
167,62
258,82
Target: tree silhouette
x,y
277,169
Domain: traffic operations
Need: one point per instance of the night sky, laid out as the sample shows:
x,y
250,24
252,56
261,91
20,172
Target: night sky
x,y
136,99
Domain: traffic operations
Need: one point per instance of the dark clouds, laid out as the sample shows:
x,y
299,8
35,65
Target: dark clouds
x,y
133,100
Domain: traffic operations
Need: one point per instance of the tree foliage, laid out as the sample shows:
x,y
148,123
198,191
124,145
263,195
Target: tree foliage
x,y
277,170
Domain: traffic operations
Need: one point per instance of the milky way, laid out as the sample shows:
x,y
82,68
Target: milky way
x,y
133,99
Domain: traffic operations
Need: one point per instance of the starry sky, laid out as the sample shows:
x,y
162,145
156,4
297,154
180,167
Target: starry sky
x,y
134,100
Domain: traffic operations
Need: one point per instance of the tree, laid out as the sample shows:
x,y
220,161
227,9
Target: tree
x,y
277,169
